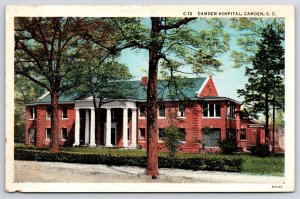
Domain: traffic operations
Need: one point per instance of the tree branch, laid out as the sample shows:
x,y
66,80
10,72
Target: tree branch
x,y
33,79
178,24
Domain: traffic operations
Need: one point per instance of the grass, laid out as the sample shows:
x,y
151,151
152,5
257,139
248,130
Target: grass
x,y
273,165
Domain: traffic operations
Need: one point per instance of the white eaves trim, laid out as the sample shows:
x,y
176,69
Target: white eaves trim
x,y
203,85
43,96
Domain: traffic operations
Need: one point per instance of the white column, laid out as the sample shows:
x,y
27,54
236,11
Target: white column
x,y
108,128
133,128
125,127
92,134
87,127
77,126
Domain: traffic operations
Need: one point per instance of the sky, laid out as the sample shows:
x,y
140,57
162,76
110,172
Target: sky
x,y
227,82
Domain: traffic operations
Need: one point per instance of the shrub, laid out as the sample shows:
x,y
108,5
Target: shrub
x,y
228,146
171,139
194,163
260,150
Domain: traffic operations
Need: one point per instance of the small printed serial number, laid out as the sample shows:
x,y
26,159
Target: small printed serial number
x,y
276,186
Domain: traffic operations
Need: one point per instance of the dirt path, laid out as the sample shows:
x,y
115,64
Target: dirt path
x,y
30,171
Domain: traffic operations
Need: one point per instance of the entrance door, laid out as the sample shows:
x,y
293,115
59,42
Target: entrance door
x,y
113,136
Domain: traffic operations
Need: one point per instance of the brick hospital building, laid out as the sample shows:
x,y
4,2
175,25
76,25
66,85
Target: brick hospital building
x,y
123,121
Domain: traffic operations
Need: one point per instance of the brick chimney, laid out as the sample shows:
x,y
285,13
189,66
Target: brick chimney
x,y
144,81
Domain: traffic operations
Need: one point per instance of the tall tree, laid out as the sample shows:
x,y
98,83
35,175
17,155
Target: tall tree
x,y
173,44
47,50
265,86
101,78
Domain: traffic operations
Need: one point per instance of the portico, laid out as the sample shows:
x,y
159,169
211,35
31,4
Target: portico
x,y
116,129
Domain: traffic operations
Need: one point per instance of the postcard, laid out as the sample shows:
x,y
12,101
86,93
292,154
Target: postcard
x,y
162,98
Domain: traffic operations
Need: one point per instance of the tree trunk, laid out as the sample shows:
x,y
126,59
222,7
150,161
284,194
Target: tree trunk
x,y
267,119
152,135
54,123
273,133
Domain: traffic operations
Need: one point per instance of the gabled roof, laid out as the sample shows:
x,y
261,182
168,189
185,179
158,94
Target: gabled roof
x,y
64,98
252,122
185,88
138,92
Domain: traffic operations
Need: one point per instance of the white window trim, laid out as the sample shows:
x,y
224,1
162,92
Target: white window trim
x,y
61,133
178,111
142,117
48,118
160,141
34,132
208,112
161,117
228,112
62,114
34,115
46,137
244,140
140,137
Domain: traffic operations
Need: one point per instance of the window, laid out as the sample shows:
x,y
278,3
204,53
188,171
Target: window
x,y
32,136
230,111
182,132
217,110
48,133
231,134
243,134
205,110
32,113
48,113
64,114
160,134
181,110
142,111
142,135
211,138
161,111
64,133
211,110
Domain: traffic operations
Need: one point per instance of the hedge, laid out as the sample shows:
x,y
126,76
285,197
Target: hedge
x,y
193,163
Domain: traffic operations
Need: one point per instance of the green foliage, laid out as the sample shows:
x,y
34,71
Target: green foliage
x,y
228,146
272,165
171,138
249,33
260,150
25,92
193,163
266,76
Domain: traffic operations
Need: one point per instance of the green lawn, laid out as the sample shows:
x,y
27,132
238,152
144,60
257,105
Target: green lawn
x,y
273,165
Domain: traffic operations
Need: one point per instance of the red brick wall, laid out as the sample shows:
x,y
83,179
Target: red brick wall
x,y
29,123
44,123
193,123
209,89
